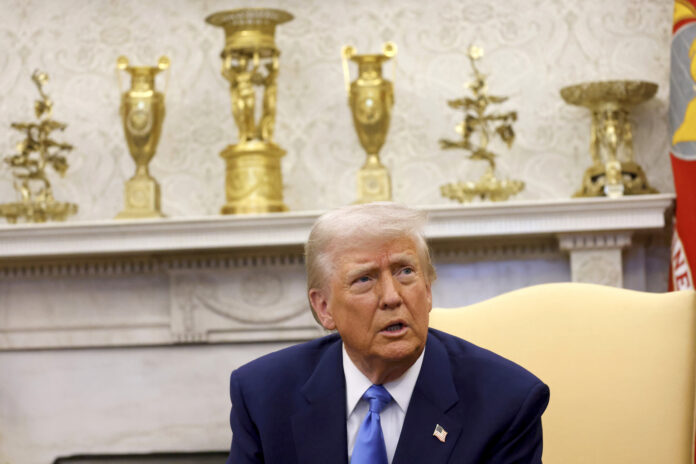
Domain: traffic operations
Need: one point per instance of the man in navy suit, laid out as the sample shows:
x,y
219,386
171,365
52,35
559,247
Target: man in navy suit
x,y
385,388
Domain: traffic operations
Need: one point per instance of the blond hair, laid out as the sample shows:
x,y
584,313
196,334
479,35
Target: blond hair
x,y
359,224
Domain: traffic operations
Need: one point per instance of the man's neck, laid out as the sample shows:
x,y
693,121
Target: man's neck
x,y
380,371
357,383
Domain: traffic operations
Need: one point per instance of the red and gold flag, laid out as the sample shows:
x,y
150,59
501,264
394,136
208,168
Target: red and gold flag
x,y
682,121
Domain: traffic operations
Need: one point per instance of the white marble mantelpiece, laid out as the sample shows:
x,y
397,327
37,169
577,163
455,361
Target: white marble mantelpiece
x,y
509,219
241,279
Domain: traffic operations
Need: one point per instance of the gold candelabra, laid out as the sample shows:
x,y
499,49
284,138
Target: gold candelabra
x,y
614,171
484,126
253,182
37,151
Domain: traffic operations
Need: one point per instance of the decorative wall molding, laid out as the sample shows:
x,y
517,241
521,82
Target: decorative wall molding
x,y
494,250
243,304
602,267
596,258
572,242
114,265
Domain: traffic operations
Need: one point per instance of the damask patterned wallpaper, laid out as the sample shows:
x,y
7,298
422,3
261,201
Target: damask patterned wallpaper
x,y
533,48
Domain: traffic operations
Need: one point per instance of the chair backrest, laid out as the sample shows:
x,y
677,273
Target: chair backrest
x,y
619,363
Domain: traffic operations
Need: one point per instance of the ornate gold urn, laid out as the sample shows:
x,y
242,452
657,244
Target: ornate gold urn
x,y
253,182
614,171
142,112
370,98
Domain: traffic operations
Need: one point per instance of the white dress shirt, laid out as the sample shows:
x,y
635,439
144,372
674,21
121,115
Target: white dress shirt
x,y
393,414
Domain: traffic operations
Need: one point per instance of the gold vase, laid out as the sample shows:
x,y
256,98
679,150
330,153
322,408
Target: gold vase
x,y
614,171
253,180
142,112
370,98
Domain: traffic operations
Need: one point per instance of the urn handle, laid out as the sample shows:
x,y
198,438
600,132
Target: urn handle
x,y
389,50
347,52
121,65
164,64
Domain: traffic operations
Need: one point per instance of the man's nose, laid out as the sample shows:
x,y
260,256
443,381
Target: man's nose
x,y
390,297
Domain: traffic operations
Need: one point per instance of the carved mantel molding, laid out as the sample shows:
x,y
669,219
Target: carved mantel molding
x,y
241,278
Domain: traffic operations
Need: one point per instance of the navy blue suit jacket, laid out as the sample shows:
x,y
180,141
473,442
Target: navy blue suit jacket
x,y
289,407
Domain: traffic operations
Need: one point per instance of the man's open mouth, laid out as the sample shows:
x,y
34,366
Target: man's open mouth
x,y
394,327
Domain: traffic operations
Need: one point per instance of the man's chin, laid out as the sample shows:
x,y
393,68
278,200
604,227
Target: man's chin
x,y
398,351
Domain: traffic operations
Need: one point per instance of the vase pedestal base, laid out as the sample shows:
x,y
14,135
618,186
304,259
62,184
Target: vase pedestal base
x,y
253,180
488,187
37,211
632,175
374,182
142,199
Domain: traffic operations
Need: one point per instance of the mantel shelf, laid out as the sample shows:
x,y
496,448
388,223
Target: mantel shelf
x,y
241,278
451,222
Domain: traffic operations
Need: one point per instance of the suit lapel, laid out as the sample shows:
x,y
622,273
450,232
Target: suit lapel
x,y
319,429
433,396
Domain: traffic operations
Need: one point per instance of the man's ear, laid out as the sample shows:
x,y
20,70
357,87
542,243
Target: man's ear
x,y
320,304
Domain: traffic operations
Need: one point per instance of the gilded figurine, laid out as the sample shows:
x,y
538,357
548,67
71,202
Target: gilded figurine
x,y
253,180
614,171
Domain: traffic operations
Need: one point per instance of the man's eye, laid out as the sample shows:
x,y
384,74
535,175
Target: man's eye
x,y
362,279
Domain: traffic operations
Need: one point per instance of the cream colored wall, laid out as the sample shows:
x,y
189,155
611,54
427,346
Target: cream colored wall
x,y
534,47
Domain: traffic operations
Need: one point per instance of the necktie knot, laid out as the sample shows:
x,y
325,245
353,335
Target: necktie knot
x,y
378,397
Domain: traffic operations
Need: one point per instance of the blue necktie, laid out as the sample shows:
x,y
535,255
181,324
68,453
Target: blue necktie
x,y
369,445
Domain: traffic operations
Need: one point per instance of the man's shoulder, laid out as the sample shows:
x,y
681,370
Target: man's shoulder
x,y
294,361
469,360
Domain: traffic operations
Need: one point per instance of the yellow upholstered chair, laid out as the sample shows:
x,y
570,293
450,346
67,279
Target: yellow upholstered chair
x,y
619,363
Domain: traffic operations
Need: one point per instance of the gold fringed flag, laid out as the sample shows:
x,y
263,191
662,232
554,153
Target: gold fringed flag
x,y
682,122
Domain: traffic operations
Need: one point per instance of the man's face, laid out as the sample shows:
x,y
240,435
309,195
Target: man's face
x,y
378,298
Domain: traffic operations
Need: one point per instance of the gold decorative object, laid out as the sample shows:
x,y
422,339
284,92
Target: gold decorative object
x,y
254,182
142,111
371,98
28,166
485,126
686,132
614,171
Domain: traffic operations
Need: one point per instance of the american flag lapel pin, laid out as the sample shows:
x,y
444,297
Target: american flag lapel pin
x,y
440,433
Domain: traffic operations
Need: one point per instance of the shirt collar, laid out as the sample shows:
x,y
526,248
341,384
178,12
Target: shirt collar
x,y
357,384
